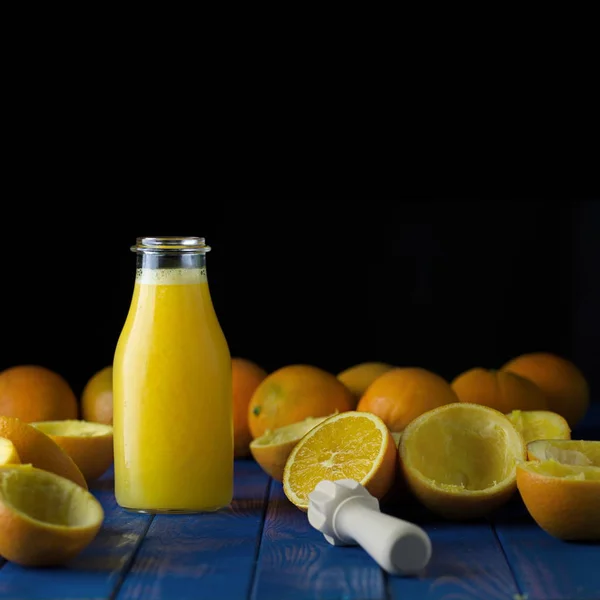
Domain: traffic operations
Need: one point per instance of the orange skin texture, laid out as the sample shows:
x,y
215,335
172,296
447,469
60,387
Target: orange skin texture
x,y
359,377
381,482
272,460
246,376
404,393
566,509
97,398
93,455
293,393
36,546
563,383
33,393
501,390
39,450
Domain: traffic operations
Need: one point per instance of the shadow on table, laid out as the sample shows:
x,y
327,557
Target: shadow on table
x,y
103,555
514,512
105,484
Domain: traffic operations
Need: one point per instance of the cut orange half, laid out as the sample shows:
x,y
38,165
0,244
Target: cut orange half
x,y
8,453
36,448
564,500
90,445
459,460
569,452
540,425
44,519
350,445
272,449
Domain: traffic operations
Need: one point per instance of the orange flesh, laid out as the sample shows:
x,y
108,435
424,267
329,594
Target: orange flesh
x,y
347,450
72,428
552,468
569,452
539,425
471,453
48,498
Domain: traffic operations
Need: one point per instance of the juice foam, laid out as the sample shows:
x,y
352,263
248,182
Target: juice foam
x,y
170,276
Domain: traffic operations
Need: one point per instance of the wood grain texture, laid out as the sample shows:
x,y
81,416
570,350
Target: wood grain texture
x,y
295,562
96,571
208,556
467,561
547,568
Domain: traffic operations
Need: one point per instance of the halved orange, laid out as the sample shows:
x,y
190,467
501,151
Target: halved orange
x,y
8,453
564,500
540,425
459,460
90,445
581,453
272,449
352,445
36,448
44,519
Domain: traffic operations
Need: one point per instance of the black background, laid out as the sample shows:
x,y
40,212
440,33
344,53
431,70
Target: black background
x,y
445,284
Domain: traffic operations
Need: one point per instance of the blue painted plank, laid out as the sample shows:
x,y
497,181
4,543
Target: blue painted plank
x,y
467,561
295,562
208,556
547,568
96,571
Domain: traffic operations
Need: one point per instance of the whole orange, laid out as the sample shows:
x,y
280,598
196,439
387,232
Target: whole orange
x,y
404,393
293,393
97,397
501,390
563,383
359,377
246,375
35,393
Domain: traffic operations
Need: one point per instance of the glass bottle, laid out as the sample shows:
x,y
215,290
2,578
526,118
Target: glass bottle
x,y
173,423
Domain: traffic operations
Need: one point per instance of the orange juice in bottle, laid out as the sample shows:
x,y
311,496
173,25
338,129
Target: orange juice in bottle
x,y
173,424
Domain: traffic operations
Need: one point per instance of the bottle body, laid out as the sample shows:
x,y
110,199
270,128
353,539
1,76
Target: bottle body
x,y
173,424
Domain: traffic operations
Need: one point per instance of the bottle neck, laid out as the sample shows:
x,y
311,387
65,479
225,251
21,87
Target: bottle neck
x,y
171,260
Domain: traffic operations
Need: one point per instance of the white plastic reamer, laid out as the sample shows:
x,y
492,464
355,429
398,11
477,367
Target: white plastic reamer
x,y
347,514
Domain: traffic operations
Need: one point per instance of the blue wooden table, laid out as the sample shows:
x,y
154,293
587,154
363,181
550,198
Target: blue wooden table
x,y
263,548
